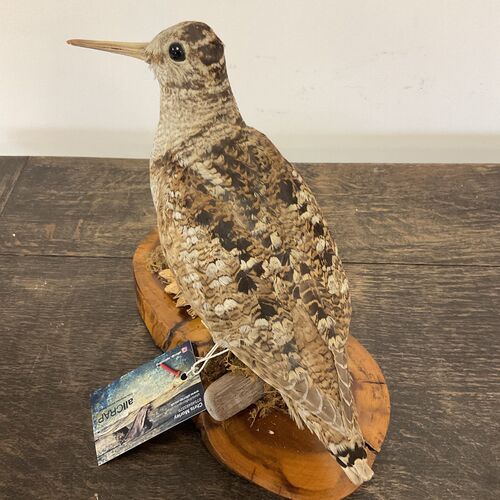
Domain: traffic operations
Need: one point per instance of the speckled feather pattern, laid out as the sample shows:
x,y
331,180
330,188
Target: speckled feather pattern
x,y
248,245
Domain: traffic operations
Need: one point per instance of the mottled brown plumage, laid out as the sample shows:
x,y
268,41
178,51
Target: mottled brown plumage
x,y
247,243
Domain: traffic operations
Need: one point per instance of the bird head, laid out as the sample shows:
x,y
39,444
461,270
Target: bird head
x,y
187,55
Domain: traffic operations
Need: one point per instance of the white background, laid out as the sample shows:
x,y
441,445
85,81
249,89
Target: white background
x,y
341,80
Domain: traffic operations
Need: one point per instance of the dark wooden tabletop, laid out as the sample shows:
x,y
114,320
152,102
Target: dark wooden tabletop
x,y
421,244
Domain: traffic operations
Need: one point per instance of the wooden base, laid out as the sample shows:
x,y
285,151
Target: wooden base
x,y
272,452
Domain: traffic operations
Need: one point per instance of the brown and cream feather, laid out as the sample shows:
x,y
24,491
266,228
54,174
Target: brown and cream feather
x,y
248,245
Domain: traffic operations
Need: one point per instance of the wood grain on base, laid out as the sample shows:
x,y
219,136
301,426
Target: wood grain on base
x,y
272,452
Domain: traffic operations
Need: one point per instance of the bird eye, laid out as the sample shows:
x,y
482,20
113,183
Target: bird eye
x,y
176,52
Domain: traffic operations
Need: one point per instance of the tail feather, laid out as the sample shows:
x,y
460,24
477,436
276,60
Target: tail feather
x,y
354,463
359,472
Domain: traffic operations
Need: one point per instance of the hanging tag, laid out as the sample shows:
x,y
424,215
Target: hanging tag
x,y
145,402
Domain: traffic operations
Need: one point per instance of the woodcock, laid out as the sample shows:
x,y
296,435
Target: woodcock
x,y
246,240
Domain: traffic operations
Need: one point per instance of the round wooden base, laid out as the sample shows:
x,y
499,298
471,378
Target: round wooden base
x,y
272,452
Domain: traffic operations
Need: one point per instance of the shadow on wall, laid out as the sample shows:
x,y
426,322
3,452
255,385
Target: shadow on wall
x,y
362,148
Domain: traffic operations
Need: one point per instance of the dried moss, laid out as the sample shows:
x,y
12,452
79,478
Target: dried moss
x,y
270,401
156,261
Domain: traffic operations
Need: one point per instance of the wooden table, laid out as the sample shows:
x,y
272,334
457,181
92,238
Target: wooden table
x,y
421,244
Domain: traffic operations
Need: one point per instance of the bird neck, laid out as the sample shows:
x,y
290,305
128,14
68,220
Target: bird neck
x,y
185,113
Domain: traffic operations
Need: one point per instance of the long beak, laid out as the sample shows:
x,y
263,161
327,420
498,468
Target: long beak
x,y
131,49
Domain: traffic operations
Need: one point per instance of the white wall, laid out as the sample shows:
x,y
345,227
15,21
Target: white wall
x,y
341,80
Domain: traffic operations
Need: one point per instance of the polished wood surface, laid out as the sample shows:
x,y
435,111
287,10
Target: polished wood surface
x,y
421,244
272,452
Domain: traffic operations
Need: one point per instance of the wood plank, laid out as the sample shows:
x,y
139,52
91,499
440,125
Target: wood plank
x,y
78,206
434,332
442,214
10,168
70,325
448,214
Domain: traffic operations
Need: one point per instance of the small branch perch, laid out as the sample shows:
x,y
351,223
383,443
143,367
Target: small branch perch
x,y
231,394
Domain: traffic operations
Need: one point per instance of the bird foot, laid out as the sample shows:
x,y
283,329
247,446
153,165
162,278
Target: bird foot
x,y
173,289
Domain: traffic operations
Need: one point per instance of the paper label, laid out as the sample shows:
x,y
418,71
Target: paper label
x,y
145,402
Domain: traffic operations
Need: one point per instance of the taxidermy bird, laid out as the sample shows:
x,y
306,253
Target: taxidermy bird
x,y
246,241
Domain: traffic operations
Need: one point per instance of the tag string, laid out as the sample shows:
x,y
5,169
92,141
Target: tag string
x,y
196,369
